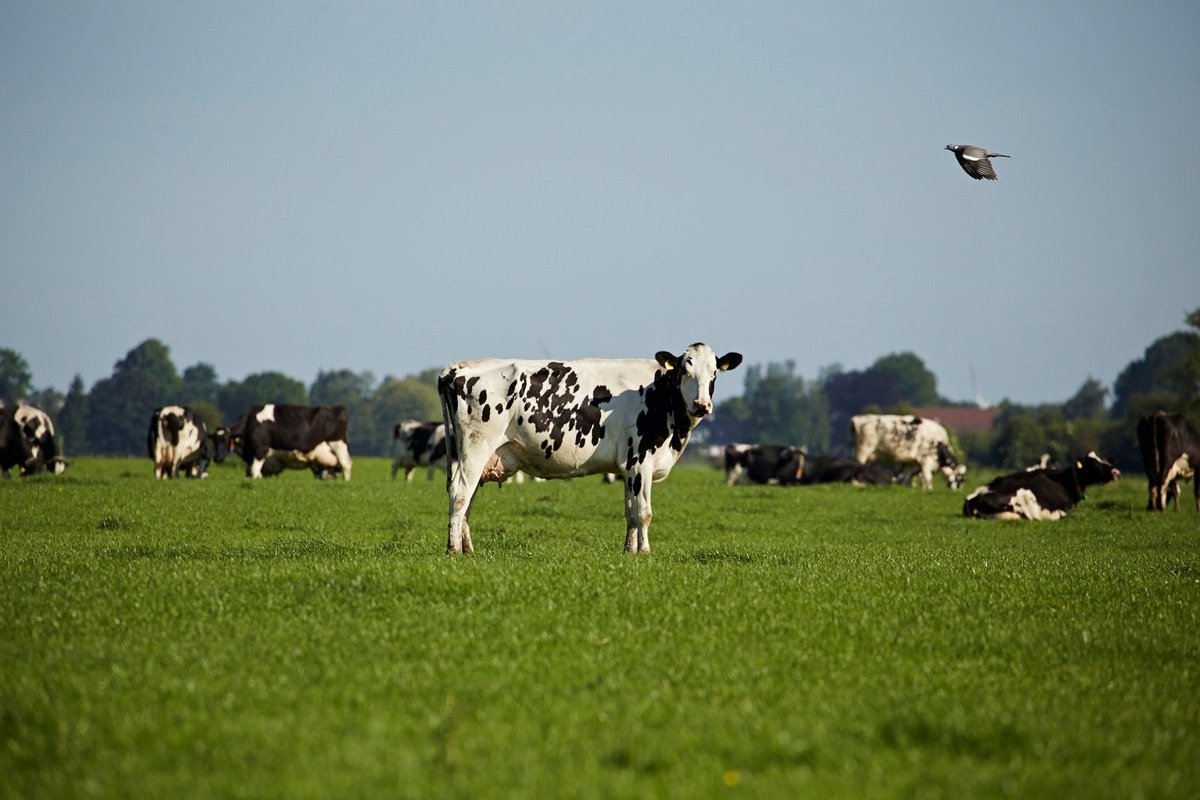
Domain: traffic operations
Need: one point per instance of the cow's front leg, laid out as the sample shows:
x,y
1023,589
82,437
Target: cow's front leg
x,y
637,513
255,467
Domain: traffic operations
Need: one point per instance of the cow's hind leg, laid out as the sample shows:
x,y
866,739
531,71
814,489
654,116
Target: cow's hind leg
x,y
461,485
341,451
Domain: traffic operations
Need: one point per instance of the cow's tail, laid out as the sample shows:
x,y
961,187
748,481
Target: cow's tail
x,y
449,401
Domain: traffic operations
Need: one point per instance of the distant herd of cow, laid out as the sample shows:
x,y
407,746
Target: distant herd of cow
x,y
628,418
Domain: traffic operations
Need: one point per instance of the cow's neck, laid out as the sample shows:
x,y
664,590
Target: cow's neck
x,y
666,419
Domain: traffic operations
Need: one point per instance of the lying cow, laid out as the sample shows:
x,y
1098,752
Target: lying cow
x,y
1040,494
831,469
763,463
274,437
37,428
1170,453
178,439
919,445
418,444
556,419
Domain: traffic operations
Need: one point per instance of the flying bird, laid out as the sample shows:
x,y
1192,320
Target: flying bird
x,y
974,160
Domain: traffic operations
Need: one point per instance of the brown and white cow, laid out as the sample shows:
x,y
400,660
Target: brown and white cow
x,y
920,445
564,419
1170,453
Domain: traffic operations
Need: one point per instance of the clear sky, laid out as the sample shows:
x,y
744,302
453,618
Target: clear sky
x,y
300,186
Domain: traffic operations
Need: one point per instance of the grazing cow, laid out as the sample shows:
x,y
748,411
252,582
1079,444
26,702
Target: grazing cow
x,y
39,430
178,439
831,469
273,437
1040,494
921,444
418,444
15,448
1170,453
763,463
556,419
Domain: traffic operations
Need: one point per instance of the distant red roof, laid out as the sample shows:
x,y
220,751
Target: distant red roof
x,y
961,419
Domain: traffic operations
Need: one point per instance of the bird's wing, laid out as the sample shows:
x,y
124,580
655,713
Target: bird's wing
x,y
981,168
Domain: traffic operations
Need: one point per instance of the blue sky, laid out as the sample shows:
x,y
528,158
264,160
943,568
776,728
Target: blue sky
x,y
391,186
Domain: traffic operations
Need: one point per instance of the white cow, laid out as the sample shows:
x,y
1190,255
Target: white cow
x,y
564,419
922,445
177,438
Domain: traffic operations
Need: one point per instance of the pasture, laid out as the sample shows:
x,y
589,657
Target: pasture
x,y
295,638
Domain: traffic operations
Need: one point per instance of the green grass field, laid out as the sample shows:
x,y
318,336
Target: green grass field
x,y
295,638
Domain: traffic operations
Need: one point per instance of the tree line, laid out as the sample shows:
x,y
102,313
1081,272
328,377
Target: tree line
x,y
777,405
112,417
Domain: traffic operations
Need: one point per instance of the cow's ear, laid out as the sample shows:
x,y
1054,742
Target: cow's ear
x,y
729,361
667,360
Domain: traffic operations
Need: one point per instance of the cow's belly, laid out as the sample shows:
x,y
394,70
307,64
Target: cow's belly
x,y
322,455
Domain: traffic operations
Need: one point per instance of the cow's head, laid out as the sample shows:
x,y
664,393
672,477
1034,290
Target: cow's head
x,y
955,472
223,443
1092,470
697,368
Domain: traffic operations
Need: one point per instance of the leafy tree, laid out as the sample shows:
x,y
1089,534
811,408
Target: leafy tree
x,y
49,400
914,382
354,391
209,413
1088,402
257,389
200,384
16,381
1186,372
120,406
1158,371
72,419
854,392
782,409
396,399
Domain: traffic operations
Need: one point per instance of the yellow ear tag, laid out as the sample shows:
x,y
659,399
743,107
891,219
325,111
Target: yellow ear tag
x,y
1078,465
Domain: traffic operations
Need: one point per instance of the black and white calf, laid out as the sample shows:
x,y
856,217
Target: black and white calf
x,y
919,445
565,419
178,439
1170,453
418,444
1040,494
763,463
273,437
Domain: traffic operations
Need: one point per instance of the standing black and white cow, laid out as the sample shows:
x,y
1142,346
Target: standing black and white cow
x,y
39,431
273,437
418,444
1039,494
178,439
763,463
15,449
1170,453
921,445
564,419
